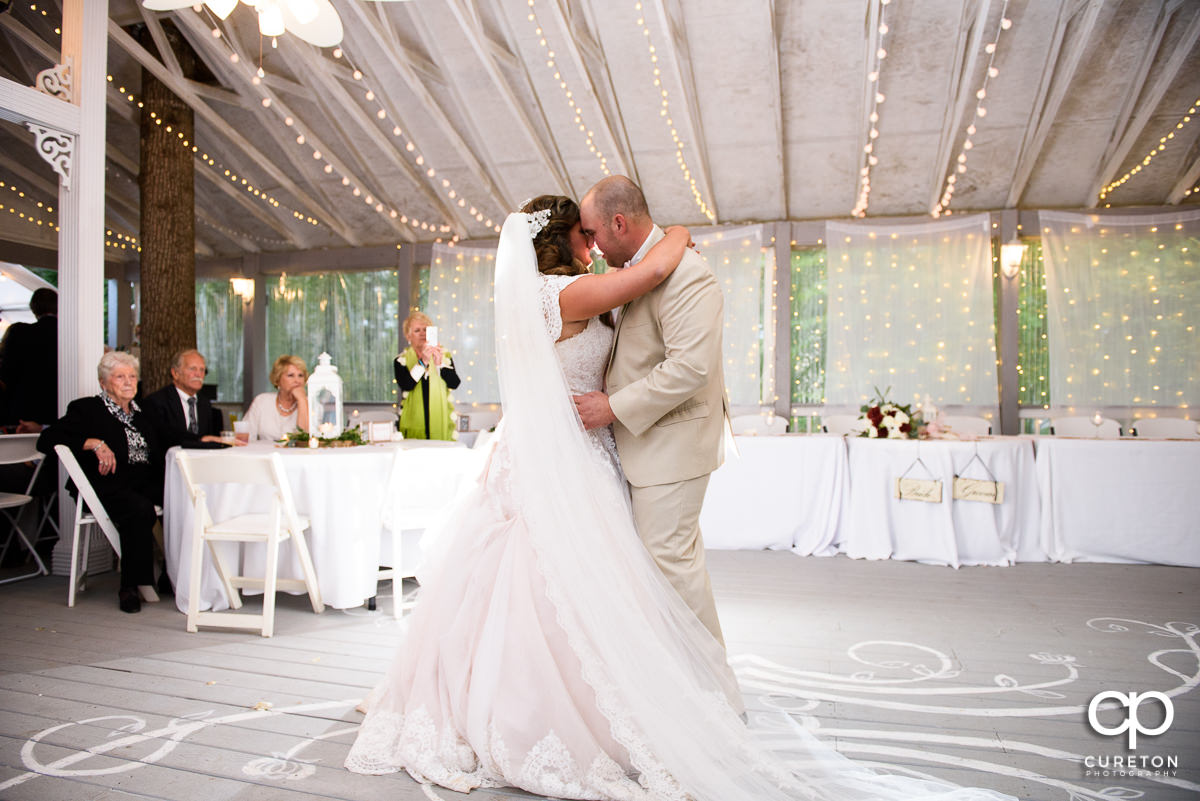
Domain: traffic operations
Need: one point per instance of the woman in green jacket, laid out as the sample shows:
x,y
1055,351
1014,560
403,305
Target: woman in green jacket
x,y
426,375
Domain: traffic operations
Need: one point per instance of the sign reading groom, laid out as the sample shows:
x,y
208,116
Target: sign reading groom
x,y
666,390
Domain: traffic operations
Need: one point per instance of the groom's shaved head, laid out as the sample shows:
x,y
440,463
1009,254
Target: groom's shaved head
x,y
617,194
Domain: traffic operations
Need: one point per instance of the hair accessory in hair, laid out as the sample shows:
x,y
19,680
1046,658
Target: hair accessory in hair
x,y
537,221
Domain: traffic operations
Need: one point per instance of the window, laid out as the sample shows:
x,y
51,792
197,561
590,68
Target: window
x,y
353,316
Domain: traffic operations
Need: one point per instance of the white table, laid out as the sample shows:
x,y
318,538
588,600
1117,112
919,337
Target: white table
x,y
781,491
879,526
1126,500
343,492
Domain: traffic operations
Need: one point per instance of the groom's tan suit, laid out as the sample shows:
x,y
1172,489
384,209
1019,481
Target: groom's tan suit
x,y
666,387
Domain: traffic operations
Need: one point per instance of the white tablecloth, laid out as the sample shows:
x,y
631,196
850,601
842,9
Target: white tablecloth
x,y
780,492
879,526
1127,500
343,492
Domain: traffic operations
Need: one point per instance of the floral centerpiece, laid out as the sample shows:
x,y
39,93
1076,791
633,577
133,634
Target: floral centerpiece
x,y
883,419
348,438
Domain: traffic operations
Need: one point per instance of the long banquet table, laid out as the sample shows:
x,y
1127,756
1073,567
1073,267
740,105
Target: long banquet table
x,y
950,532
1127,500
342,491
780,492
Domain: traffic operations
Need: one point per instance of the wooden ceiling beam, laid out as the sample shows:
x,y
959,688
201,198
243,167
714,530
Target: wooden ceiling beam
x,y
960,97
557,181
431,105
205,112
1062,61
320,69
678,56
1128,128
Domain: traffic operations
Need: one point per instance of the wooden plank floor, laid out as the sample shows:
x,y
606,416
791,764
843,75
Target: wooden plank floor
x,y
979,675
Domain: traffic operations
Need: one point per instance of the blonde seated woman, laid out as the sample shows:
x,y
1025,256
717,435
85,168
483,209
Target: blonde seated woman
x,y
274,415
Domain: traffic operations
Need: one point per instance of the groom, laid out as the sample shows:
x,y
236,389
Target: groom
x,y
666,390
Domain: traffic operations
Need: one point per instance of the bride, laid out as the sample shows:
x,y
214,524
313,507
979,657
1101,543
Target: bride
x,y
547,651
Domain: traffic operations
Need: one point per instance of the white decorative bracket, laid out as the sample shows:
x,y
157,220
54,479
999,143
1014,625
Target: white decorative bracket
x,y
56,81
57,148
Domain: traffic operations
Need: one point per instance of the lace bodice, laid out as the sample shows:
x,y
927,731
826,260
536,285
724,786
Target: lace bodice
x,y
584,357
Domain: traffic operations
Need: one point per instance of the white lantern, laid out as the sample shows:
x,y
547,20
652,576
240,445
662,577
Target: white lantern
x,y
325,399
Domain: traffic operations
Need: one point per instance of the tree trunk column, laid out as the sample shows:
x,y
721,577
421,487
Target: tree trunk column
x,y
168,222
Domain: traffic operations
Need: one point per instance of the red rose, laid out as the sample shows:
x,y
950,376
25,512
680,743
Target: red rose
x,y
874,415
905,428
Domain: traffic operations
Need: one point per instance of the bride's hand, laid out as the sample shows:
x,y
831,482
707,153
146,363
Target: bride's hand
x,y
672,228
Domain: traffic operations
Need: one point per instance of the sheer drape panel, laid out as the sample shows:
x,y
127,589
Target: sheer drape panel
x,y
460,303
744,270
911,307
1122,293
219,336
354,316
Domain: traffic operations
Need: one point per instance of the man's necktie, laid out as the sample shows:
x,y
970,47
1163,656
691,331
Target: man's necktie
x,y
193,423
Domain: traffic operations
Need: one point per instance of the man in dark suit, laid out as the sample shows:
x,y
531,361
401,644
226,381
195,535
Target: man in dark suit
x,y
29,366
181,415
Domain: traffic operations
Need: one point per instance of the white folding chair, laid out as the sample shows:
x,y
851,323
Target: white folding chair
x,y
1085,427
200,468
90,512
758,424
19,449
840,423
1167,428
967,424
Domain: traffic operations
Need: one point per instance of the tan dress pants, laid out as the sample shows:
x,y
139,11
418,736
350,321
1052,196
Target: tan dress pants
x,y
668,520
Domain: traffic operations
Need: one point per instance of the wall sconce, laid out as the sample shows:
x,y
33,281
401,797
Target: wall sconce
x,y
1011,256
243,288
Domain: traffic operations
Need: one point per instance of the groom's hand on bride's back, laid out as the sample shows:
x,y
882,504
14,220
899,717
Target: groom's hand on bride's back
x,y
594,409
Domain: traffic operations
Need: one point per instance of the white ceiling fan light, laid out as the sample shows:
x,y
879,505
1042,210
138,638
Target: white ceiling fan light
x,y
323,30
270,19
222,8
304,11
314,21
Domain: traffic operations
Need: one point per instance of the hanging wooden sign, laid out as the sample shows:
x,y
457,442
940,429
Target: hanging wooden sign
x,y
978,490
919,489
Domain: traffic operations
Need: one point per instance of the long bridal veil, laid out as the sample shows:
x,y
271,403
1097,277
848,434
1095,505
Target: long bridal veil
x,y
660,678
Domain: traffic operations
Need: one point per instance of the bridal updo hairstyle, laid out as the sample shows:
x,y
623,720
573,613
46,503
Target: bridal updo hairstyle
x,y
553,244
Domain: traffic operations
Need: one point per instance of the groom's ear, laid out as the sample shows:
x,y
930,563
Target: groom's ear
x,y
619,224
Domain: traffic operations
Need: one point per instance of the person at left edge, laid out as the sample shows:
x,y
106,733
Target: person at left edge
x,y
184,418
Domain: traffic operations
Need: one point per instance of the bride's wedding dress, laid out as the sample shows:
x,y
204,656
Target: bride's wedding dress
x,y
547,651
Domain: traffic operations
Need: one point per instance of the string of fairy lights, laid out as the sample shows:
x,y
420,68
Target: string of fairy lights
x,y
960,168
381,113
665,113
877,99
112,238
229,174
449,305
568,95
1163,141
1162,305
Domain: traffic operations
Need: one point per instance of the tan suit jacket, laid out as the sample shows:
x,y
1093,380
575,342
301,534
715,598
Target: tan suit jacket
x,y
666,384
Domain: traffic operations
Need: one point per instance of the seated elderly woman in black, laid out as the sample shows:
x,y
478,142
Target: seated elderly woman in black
x,y
121,453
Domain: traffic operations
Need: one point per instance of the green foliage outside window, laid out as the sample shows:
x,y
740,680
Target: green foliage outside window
x,y
219,337
354,316
808,326
1033,350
